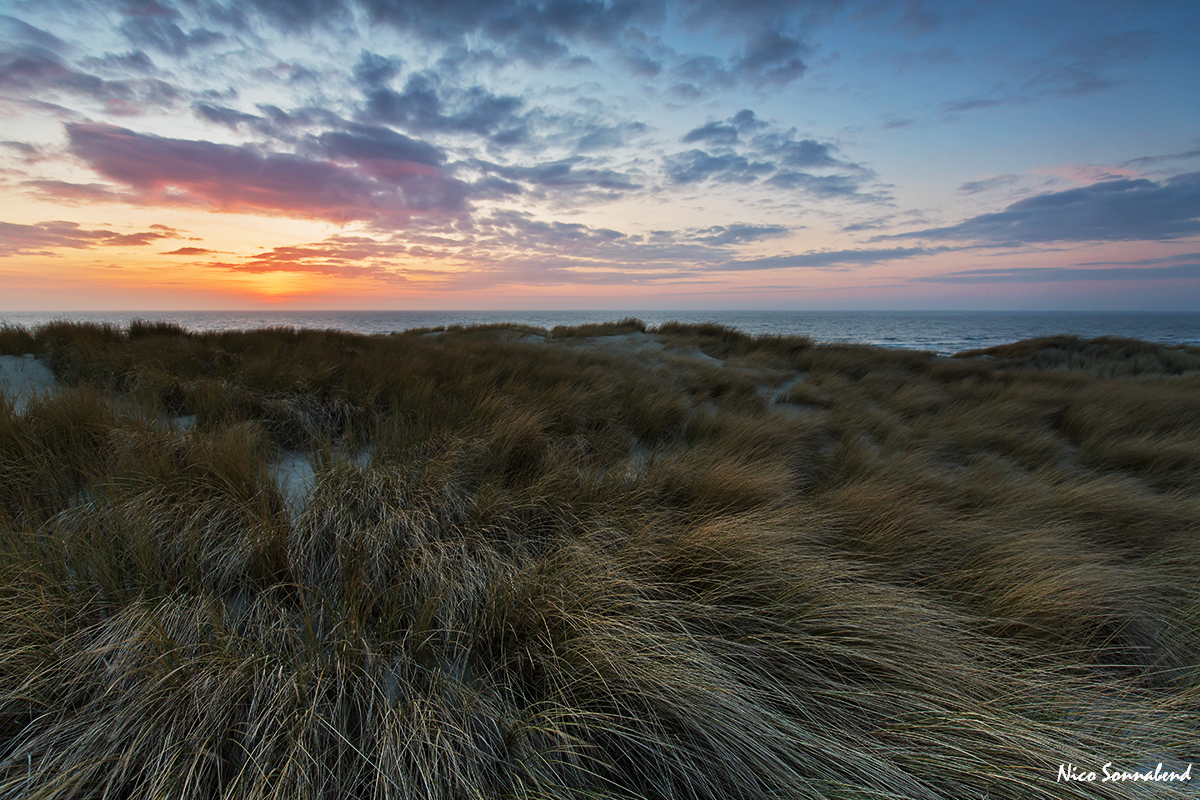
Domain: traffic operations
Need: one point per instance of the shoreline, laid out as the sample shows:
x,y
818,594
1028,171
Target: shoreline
x,y
943,332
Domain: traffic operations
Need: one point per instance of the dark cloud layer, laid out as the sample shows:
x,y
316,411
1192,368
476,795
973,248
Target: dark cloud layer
x,y
1106,211
764,47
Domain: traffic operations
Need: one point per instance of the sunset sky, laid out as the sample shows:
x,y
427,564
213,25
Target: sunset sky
x,y
521,154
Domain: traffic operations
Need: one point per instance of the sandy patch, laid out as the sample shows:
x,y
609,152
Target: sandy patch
x,y
693,353
626,344
23,378
527,338
295,476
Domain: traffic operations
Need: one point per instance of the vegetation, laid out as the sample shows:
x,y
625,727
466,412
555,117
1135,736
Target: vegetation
x,y
539,565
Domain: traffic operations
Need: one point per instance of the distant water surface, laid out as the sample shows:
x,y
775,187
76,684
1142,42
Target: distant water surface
x,y
942,332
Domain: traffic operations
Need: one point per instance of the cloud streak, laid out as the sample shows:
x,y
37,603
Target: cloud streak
x,y
1189,271
1120,210
832,259
44,238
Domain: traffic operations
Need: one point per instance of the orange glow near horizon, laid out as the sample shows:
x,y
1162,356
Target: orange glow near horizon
x,y
211,260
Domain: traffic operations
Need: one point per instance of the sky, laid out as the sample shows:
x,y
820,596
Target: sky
x,y
599,154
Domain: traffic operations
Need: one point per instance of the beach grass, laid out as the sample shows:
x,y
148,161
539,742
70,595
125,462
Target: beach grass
x,y
617,561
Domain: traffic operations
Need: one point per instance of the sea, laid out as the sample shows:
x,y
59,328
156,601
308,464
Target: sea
x,y
944,332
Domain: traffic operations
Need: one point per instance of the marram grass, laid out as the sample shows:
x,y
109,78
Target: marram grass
x,y
534,564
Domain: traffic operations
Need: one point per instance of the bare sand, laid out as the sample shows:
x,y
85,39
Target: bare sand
x,y
23,378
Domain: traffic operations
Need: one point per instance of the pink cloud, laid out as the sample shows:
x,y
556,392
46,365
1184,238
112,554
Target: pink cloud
x,y
240,178
188,251
45,237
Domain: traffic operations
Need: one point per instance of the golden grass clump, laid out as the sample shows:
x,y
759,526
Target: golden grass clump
x,y
520,564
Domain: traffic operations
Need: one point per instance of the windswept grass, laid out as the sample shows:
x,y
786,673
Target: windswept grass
x,y
728,567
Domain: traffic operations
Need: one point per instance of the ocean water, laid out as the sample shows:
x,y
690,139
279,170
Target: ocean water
x,y
942,332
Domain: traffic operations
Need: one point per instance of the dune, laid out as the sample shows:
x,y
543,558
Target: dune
x,y
612,561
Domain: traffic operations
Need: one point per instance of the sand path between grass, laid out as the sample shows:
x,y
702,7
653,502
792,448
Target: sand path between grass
x,y
23,378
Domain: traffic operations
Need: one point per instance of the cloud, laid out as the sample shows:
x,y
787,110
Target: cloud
x,y
542,32
988,184
513,247
349,257
1077,68
27,151
516,22
1120,210
642,65
563,174
75,192
778,158
725,132
272,122
868,224
714,133
828,186
1081,67
14,30
1189,271
221,115
44,237
696,75
341,256
426,106
1146,161
162,34
375,145
771,57
737,234
34,73
188,251
523,226
803,153
694,166
133,61
601,136
373,70
964,104
240,178
829,259
1179,258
